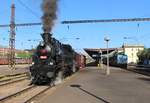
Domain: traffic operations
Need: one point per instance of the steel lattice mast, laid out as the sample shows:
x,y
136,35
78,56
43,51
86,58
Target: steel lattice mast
x,y
11,54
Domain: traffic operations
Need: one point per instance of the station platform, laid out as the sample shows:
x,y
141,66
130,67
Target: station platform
x,y
91,85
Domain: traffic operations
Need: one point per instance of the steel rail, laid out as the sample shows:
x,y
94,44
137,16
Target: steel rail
x,y
1,81
31,98
13,81
16,93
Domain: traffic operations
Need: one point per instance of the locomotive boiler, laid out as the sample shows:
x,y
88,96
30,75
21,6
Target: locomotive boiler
x,y
52,61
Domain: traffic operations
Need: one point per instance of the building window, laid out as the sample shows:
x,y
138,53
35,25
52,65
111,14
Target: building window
x,y
132,49
132,54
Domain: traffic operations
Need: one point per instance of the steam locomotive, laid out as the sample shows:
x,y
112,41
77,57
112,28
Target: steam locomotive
x,y
52,61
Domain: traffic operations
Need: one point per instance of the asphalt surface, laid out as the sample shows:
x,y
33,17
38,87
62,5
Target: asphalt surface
x,y
93,86
4,70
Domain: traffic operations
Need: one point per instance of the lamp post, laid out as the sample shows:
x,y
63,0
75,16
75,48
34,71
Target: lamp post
x,y
107,69
100,58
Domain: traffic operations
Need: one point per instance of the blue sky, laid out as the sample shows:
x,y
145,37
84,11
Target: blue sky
x,y
91,35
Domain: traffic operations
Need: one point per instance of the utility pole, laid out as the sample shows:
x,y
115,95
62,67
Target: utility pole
x,y
11,55
107,69
100,58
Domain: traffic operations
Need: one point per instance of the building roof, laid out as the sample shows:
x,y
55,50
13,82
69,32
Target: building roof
x,y
95,52
102,49
133,46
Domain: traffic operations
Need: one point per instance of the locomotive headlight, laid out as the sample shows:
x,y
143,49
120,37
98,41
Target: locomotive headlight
x,y
51,63
32,63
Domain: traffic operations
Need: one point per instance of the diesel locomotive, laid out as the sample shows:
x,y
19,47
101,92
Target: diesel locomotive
x,y
117,59
52,61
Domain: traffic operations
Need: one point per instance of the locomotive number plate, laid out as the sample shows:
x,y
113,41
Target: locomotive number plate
x,y
43,57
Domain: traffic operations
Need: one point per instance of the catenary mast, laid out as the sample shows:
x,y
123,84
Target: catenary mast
x,y
11,54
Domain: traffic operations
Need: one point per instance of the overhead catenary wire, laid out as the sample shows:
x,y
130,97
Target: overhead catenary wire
x,y
87,21
106,20
29,9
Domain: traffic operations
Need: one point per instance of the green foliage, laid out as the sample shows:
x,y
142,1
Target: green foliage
x,y
144,54
23,55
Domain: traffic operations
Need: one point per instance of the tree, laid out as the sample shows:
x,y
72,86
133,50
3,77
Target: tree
x,y
144,55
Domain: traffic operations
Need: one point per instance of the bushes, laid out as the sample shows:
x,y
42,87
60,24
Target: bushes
x,y
144,55
23,55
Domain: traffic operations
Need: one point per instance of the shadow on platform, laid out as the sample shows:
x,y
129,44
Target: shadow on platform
x,y
91,94
145,79
92,64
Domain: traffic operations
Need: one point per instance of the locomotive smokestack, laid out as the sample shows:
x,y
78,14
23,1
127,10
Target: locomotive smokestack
x,y
46,37
49,8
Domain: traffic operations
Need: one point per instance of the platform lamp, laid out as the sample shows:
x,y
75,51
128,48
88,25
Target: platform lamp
x,y
107,39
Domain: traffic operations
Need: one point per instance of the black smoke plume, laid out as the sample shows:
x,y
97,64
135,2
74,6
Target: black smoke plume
x,y
49,8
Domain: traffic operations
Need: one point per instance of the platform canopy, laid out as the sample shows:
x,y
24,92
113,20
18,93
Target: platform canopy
x,y
96,53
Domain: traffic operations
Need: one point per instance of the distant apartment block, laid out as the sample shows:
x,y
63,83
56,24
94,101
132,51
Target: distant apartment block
x,y
131,51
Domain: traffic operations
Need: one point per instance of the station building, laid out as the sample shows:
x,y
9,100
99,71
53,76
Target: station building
x,y
128,49
131,51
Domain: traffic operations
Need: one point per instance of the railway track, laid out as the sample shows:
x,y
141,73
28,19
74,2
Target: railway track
x,y
135,69
139,71
14,79
11,77
24,95
4,83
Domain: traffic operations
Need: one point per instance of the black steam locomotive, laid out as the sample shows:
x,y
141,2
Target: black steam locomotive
x,y
52,61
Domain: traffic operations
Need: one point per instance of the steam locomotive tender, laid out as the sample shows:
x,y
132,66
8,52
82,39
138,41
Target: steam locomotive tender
x,y
52,61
